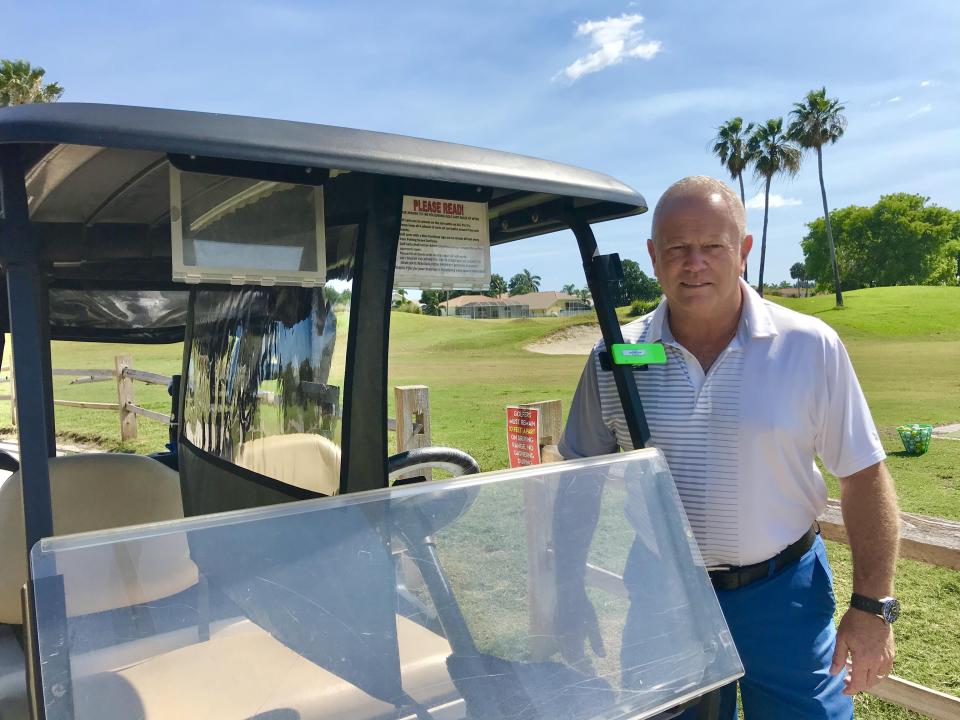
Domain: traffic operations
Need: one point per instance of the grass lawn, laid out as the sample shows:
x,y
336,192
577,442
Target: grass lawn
x,y
905,346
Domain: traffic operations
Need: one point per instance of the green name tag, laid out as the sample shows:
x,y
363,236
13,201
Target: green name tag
x,y
645,354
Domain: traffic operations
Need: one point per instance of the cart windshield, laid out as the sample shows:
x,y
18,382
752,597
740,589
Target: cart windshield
x,y
463,598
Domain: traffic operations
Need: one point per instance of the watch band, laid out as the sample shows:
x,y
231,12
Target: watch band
x,y
887,609
862,602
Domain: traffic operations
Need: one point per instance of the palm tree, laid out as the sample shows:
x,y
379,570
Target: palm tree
x,y
570,289
531,280
730,145
523,283
20,84
498,286
771,153
819,121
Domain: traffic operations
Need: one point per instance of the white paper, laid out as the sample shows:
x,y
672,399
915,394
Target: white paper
x,y
443,244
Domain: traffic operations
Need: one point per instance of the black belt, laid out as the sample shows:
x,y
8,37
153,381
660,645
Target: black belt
x,y
735,578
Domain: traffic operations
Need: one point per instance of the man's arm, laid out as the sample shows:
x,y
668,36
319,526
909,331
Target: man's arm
x,y
871,517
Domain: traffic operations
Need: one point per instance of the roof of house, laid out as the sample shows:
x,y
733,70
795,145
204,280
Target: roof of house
x,y
464,300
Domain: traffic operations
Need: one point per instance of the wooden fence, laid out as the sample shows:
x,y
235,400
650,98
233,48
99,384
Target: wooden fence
x,y
927,539
412,425
123,374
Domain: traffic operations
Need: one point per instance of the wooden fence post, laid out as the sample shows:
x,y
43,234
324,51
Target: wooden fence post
x,y
539,497
413,420
128,420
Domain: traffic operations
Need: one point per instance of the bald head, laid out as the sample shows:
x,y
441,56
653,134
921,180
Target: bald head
x,y
701,187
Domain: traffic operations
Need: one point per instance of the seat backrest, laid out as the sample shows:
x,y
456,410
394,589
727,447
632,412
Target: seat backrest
x,y
99,491
304,460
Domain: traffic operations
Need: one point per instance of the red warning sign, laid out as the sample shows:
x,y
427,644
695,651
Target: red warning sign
x,y
523,436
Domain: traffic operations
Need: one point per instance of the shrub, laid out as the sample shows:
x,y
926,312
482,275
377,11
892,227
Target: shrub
x,y
642,307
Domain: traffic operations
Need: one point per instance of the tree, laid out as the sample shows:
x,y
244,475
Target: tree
x,y
730,145
21,84
401,298
523,283
430,301
771,153
799,273
637,285
901,240
570,289
584,294
819,121
498,286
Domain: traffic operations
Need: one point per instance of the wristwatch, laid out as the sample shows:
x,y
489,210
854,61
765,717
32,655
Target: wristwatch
x,y
887,609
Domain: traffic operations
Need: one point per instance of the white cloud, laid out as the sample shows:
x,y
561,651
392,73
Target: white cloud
x,y
615,39
921,110
895,99
776,201
929,83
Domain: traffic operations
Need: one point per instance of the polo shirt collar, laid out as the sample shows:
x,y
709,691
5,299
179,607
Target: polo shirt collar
x,y
755,319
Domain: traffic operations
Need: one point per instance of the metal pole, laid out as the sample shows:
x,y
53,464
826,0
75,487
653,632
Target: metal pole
x,y
598,282
29,334
25,287
364,432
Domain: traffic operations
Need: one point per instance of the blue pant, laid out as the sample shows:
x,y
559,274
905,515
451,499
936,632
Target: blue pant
x,y
783,629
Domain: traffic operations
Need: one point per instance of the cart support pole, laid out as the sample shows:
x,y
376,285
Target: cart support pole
x,y
601,272
26,292
364,432
19,253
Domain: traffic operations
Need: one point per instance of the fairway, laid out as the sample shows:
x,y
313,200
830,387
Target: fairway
x,y
904,343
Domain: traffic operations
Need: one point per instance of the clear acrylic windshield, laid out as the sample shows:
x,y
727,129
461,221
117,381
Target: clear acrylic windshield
x,y
475,597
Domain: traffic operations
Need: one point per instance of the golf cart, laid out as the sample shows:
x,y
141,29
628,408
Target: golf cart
x,y
266,566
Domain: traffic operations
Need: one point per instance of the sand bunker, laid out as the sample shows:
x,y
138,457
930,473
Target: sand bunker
x,y
573,340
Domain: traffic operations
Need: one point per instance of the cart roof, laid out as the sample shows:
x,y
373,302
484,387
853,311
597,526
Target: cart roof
x,y
99,195
298,143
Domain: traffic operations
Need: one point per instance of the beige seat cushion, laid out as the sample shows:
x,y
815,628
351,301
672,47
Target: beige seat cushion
x,y
304,460
95,492
242,672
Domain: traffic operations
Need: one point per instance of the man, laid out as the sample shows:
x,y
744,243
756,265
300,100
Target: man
x,y
750,394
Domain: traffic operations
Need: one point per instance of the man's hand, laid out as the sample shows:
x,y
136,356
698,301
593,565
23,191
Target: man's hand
x,y
868,640
576,624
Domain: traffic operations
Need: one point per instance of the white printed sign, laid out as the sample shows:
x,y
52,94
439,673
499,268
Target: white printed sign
x,y
443,244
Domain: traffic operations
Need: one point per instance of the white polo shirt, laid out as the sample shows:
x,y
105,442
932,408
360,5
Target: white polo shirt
x,y
741,439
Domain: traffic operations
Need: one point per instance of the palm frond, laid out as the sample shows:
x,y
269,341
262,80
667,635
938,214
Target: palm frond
x,y
729,144
818,120
773,152
20,83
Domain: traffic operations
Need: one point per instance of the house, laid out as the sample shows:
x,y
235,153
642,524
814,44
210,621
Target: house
x,y
552,304
481,307
449,307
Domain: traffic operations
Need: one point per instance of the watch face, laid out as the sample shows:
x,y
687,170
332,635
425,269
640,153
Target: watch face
x,y
891,609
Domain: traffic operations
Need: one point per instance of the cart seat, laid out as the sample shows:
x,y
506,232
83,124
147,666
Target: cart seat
x,y
89,492
304,460
98,491
243,672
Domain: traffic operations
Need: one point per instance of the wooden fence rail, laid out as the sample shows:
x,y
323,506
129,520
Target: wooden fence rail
x,y
928,539
412,425
122,374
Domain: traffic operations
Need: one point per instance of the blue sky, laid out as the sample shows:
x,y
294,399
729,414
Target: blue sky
x,y
633,89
